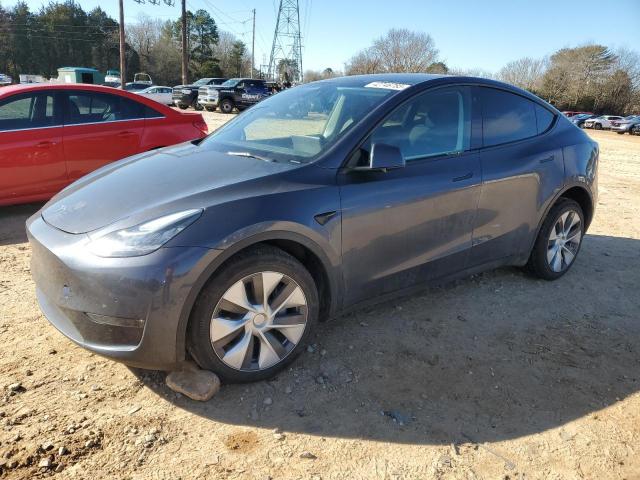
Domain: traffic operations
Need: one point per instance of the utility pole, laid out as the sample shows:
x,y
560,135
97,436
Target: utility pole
x,y
253,42
185,45
123,73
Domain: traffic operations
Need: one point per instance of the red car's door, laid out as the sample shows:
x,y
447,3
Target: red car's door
x,y
32,163
99,128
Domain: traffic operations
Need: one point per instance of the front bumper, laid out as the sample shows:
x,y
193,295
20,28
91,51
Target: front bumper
x,y
621,128
127,309
182,99
208,101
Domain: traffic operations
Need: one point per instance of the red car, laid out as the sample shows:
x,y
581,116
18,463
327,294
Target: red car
x,y
51,135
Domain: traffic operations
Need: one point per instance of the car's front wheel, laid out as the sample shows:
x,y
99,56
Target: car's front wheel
x,y
253,317
558,241
597,126
210,109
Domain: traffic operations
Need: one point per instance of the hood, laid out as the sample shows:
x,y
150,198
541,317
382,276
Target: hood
x,y
150,185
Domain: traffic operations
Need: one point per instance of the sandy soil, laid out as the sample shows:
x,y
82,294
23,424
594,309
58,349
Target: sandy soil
x,y
495,376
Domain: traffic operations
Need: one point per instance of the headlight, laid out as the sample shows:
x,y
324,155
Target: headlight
x,y
144,238
213,93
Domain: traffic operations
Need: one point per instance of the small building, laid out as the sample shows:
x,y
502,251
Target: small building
x,y
80,75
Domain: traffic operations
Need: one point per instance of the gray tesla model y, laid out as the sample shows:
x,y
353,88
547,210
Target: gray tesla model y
x,y
320,198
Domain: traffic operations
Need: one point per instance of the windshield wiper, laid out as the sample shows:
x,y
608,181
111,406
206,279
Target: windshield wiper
x,y
249,155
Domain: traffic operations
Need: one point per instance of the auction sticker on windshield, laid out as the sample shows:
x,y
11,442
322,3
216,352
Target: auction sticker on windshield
x,y
387,85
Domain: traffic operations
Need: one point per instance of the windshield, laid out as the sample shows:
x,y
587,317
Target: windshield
x,y
232,82
202,81
299,124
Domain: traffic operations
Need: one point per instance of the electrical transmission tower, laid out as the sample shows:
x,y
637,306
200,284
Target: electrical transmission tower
x,y
286,53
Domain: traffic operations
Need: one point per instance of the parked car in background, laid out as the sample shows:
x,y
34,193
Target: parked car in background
x,y
235,93
136,86
635,129
28,78
112,76
5,80
626,124
158,93
579,119
185,96
53,134
231,249
573,114
603,122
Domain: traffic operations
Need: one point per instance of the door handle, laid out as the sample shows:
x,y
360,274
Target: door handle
x,y
45,144
463,177
547,159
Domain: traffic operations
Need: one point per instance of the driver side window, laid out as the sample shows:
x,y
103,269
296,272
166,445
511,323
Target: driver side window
x,y
434,123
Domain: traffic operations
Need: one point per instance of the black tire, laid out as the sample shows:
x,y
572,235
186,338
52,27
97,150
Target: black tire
x,y
261,258
197,106
210,109
182,106
226,106
620,133
597,126
538,264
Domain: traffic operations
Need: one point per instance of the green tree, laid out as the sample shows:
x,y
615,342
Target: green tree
x,y
236,57
202,35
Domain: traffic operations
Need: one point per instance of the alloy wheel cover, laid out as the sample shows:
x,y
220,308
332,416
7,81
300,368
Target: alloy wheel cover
x,y
258,321
564,241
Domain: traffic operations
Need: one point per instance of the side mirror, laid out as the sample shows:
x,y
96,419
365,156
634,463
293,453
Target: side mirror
x,y
384,157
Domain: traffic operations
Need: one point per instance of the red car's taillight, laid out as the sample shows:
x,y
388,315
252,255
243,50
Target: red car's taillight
x,y
201,125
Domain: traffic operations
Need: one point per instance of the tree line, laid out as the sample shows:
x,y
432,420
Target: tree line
x,y
589,77
64,34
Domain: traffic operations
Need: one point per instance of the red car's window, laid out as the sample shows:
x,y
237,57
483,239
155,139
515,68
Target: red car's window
x,y
34,110
90,107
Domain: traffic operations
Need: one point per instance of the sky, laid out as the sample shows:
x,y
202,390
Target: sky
x,y
482,34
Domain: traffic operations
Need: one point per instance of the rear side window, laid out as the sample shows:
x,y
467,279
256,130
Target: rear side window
x,y
90,107
34,110
506,117
544,118
151,113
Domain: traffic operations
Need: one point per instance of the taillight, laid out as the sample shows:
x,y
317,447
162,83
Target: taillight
x,y
201,125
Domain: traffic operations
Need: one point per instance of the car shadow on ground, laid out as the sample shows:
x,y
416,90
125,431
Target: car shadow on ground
x,y
497,356
12,220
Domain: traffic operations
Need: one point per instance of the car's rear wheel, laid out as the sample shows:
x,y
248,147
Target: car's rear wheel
x,y
558,241
210,109
597,126
197,106
226,106
182,106
254,316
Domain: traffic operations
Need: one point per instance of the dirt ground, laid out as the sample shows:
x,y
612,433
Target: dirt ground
x,y
498,376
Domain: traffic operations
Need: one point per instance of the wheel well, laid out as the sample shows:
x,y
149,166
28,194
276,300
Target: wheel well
x,y
583,198
315,267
